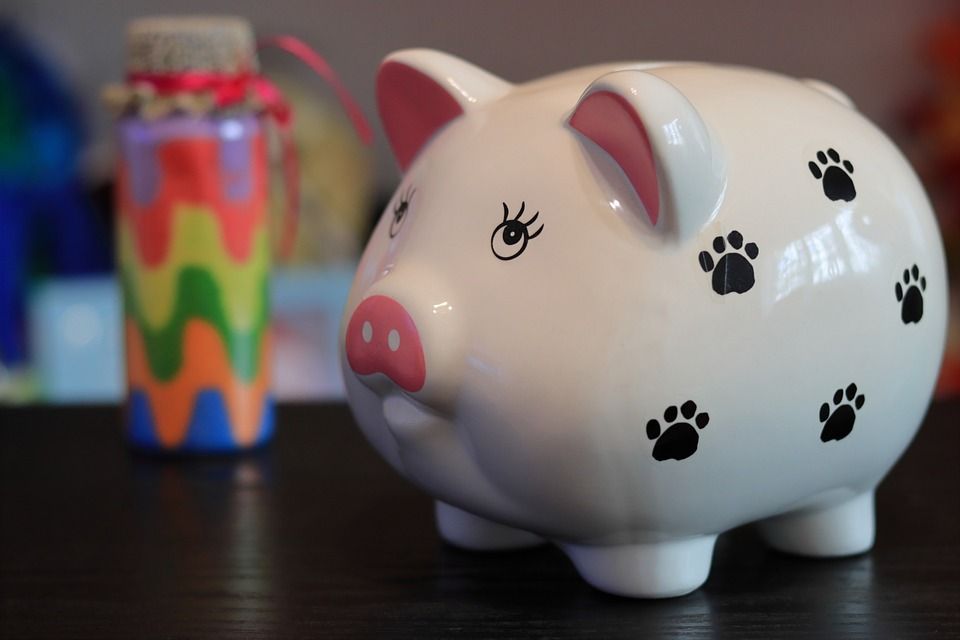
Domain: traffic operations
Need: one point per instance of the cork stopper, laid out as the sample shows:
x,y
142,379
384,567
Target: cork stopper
x,y
171,45
178,44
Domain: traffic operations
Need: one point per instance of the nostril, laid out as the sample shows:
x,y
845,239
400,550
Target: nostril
x,y
393,340
367,332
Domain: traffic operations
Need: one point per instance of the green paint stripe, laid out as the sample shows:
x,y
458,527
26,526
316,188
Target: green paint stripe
x,y
196,242
198,297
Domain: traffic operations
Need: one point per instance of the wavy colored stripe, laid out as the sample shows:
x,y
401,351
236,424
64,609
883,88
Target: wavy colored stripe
x,y
190,175
209,429
198,298
205,366
196,243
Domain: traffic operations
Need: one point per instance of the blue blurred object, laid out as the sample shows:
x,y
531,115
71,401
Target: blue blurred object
x,y
76,339
45,216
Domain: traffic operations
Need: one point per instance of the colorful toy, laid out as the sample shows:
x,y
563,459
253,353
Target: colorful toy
x,y
194,242
628,308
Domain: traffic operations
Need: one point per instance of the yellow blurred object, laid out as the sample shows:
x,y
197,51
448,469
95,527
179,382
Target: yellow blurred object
x,y
336,178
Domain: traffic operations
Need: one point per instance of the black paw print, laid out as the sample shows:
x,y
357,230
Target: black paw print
x,y
838,422
911,299
680,440
733,273
837,183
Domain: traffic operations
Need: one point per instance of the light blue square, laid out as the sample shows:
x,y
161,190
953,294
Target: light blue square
x,y
76,339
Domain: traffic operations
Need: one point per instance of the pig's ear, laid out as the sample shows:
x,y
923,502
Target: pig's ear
x,y
660,142
419,91
830,91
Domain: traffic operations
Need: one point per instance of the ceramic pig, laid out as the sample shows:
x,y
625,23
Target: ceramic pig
x,y
627,308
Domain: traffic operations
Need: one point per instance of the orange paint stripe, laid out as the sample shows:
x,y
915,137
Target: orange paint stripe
x,y
206,365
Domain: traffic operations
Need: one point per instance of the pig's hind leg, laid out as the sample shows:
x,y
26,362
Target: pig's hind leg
x,y
842,529
467,531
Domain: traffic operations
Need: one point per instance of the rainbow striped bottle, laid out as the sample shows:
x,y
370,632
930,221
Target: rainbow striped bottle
x,y
193,239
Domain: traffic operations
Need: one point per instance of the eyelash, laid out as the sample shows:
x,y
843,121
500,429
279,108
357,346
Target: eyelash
x,y
400,210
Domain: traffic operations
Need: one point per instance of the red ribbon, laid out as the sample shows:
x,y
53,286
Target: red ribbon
x,y
232,89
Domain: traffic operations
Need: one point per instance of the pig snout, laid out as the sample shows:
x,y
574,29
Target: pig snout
x,y
382,338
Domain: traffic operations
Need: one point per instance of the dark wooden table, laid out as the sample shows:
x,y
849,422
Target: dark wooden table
x,y
316,537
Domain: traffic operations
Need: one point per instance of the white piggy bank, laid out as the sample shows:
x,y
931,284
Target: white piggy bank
x,y
626,308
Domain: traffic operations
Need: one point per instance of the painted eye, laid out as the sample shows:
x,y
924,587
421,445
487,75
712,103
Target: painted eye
x,y
511,236
400,210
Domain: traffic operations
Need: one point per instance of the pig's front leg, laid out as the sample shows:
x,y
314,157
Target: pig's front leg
x,y
646,570
467,531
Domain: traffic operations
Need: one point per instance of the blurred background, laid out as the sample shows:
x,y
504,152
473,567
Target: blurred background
x,y
899,60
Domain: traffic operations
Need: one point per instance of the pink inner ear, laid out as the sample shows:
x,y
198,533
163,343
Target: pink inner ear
x,y
412,108
611,122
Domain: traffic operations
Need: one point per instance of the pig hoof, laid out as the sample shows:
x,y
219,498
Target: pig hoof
x,y
467,531
835,176
680,439
732,272
910,295
653,570
844,529
838,422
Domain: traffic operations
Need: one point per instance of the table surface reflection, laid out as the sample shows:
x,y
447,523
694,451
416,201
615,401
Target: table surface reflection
x,y
316,537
